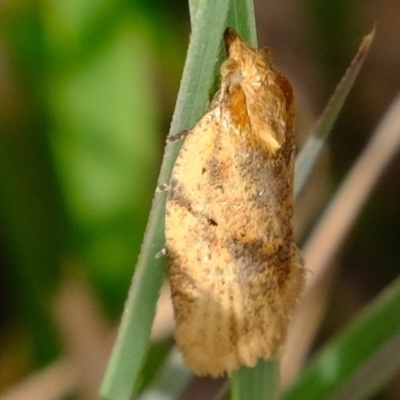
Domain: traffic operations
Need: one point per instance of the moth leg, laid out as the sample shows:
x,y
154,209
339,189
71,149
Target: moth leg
x,y
161,253
164,187
178,136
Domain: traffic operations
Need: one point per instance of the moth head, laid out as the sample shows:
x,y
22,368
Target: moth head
x,y
265,94
251,66
247,61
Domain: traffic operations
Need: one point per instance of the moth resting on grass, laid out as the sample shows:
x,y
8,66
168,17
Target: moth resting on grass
x,y
234,269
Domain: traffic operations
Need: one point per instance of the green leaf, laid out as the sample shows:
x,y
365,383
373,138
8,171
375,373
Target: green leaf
x,y
241,17
103,137
33,227
356,354
306,160
171,381
262,381
258,383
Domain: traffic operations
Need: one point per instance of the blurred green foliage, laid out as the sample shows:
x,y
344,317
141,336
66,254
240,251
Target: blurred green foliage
x,y
80,144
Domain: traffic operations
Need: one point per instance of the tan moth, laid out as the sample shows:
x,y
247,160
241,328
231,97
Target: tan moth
x,y
234,269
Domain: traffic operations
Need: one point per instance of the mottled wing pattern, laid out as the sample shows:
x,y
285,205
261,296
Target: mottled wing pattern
x,y
234,269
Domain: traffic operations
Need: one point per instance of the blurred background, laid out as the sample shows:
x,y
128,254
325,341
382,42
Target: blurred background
x,y
87,91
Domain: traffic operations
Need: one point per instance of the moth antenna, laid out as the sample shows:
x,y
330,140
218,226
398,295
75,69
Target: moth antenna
x,y
178,136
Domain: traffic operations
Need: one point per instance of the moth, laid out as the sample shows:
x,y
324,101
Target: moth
x,y
234,269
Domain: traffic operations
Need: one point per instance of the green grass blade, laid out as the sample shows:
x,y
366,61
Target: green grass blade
x,y
241,17
130,348
309,154
336,370
377,371
172,379
262,381
34,231
347,203
258,383
198,75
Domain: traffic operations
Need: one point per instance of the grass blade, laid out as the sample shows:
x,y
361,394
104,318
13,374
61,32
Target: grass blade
x,y
241,17
335,223
309,154
172,380
262,381
334,370
258,383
